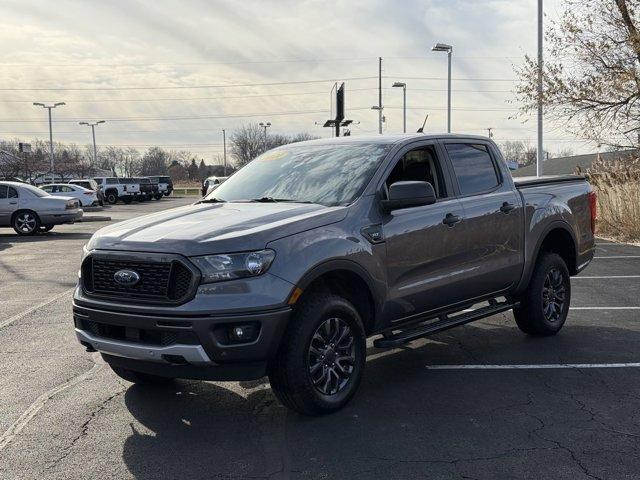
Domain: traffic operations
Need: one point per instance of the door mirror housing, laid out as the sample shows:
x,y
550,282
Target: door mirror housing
x,y
409,194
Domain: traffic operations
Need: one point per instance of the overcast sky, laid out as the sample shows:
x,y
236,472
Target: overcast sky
x,y
150,67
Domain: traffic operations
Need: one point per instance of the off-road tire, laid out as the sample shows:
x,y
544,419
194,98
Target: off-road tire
x,y
111,197
139,377
290,372
530,315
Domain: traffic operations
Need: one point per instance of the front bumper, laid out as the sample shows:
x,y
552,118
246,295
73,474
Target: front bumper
x,y
199,350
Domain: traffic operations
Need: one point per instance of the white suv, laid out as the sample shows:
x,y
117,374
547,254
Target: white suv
x,y
115,189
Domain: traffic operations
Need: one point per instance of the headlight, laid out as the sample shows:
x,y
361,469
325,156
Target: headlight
x,y
217,268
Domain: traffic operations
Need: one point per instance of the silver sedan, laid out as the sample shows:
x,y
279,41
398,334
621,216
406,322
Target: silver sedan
x,y
30,210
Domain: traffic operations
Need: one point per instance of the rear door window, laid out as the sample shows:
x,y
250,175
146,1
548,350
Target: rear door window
x,y
13,193
3,191
473,166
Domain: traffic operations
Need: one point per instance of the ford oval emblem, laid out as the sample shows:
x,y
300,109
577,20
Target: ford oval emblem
x,y
126,278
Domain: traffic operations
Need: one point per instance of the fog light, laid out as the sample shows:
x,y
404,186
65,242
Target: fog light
x,y
243,333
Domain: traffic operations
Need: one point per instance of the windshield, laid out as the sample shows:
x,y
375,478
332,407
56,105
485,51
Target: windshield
x,y
325,174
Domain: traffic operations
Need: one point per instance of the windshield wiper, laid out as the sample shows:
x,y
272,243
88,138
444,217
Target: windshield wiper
x,y
212,200
276,200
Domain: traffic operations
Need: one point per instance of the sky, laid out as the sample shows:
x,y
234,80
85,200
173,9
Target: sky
x,y
175,73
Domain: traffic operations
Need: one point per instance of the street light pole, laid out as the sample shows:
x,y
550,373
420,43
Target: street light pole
x,y
265,126
404,104
443,47
49,107
539,159
93,134
224,150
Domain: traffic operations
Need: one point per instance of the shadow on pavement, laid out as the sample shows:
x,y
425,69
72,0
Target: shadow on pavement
x,y
410,422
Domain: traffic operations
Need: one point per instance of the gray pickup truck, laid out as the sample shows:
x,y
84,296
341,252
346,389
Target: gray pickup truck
x,y
286,268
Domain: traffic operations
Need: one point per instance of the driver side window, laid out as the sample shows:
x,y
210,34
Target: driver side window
x,y
421,165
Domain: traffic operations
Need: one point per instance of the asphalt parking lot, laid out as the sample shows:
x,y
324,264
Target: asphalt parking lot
x,y
479,402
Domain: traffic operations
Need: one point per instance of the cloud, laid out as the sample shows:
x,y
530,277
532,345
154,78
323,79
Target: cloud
x,y
142,43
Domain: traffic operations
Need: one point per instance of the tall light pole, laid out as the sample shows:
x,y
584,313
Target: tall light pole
x,y
379,107
404,104
539,159
265,126
224,150
443,47
49,107
93,134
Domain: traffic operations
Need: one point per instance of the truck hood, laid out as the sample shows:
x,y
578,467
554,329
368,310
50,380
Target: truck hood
x,y
203,229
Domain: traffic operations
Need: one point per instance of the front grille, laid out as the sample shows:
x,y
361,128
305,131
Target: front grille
x,y
145,336
159,281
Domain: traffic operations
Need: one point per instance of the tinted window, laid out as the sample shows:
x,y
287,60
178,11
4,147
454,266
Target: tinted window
x,y
473,167
13,193
99,181
419,165
48,189
3,191
112,181
165,179
66,189
325,174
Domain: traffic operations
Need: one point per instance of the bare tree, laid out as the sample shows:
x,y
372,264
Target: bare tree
x,y
591,73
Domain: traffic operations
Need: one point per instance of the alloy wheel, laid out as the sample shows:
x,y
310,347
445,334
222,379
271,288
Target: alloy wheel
x,y
331,357
26,222
554,294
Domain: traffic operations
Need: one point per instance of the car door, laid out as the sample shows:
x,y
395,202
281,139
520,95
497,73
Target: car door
x,y
423,244
8,204
492,212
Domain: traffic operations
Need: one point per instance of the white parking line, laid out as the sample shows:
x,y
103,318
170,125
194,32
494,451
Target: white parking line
x,y
533,366
604,276
604,308
33,309
40,402
618,256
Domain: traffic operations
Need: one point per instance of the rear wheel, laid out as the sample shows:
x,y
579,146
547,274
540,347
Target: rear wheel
x,y
139,377
544,306
321,359
127,199
111,197
26,222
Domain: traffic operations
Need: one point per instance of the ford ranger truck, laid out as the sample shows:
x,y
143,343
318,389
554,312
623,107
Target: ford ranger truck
x,y
289,266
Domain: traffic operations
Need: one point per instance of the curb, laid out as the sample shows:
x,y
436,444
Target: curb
x,y
93,218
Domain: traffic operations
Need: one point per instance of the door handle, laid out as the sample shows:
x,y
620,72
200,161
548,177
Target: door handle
x,y
13,203
450,219
507,207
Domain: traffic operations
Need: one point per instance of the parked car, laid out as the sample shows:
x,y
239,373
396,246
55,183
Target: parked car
x,y
114,189
146,188
287,267
90,184
211,183
133,188
165,184
30,210
85,197
156,188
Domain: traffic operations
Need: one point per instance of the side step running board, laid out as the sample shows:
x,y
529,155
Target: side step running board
x,y
443,322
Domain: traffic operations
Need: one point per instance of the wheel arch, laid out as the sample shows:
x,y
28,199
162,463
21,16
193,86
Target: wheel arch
x,y
349,280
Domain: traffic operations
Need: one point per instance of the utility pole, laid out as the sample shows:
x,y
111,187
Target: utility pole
x,y
224,150
265,126
379,107
49,107
93,133
380,95
539,159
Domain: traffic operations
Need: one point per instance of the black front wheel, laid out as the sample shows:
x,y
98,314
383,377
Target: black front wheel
x,y
545,305
321,358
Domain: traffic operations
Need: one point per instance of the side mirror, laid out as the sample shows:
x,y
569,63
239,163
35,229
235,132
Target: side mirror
x,y
409,194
